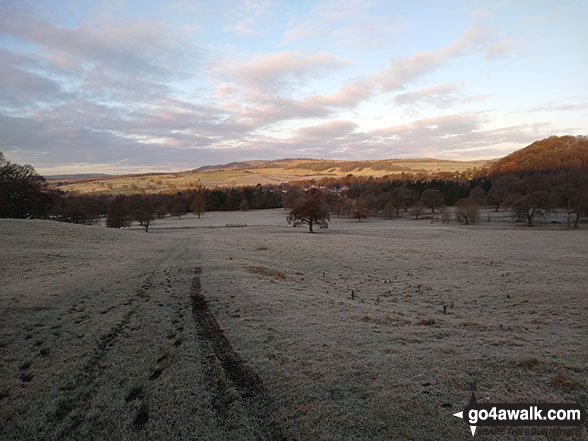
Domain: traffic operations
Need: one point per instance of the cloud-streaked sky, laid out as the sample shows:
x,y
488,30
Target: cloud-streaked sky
x,y
141,85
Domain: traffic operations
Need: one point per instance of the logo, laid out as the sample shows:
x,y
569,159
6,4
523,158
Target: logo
x,y
510,415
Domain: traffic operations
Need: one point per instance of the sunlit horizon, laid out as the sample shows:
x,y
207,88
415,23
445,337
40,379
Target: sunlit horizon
x,y
135,87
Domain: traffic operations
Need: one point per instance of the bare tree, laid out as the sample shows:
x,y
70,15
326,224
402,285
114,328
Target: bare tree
x,y
161,211
334,202
145,214
478,195
432,199
501,191
570,191
580,204
198,204
178,209
310,209
347,206
23,193
292,195
118,214
466,210
360,210
417,209
527,206
405,196
390,209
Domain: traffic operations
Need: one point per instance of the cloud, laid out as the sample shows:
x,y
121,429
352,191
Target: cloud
x,y
143,95
245,19
454,136
145,48
365,25
400,72
439,95
330,129
21,88
270,70
403,70
556,107
437,126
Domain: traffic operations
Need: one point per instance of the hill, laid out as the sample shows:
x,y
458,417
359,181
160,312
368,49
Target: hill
x,y
77,176
553,153
263,172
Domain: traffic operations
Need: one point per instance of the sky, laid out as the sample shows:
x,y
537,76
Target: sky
x,y
123,86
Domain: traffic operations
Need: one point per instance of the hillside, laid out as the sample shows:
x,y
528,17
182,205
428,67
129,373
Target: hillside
x,y
553,153
263,172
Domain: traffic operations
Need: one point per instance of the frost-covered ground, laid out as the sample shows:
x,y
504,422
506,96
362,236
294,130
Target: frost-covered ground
x,y
268,332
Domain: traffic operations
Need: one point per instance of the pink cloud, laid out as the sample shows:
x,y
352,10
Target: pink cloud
x,y
271,69
440,94
331,129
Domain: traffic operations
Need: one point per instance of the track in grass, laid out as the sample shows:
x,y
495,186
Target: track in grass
x,y
253,394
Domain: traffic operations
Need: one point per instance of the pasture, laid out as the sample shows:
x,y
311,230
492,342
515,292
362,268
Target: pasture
x,y
363,331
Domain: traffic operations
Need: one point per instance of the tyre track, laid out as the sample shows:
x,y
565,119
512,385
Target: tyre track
x,y
243,378
70,411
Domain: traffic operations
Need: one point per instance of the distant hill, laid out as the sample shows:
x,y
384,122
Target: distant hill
x,y
553,153
262,172
76,176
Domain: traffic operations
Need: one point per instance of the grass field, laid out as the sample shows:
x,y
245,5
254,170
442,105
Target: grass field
x,y
363,331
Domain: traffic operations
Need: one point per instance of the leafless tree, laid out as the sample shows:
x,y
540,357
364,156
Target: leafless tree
x,y
466,210
528,205
310,209
417,209
432,199
198,204
118,214
478,195
145,214
580,204
360,210
178,209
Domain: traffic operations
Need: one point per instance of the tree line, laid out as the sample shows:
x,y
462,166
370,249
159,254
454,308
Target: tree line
x,y
527,194
25,194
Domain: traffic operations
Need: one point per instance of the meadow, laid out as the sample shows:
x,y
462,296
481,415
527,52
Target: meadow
x,y
363,331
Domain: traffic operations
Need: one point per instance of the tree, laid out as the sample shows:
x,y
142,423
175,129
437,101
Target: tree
x,y
310,209
527,206
432,199
78,209
347,206
360,210
390,209
145,214
580,204
292,195
198,204
496,196
178,209
466,210
334,202
161,211
405,196
478,195
243,206
23,193
118,214
570,190
417,209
